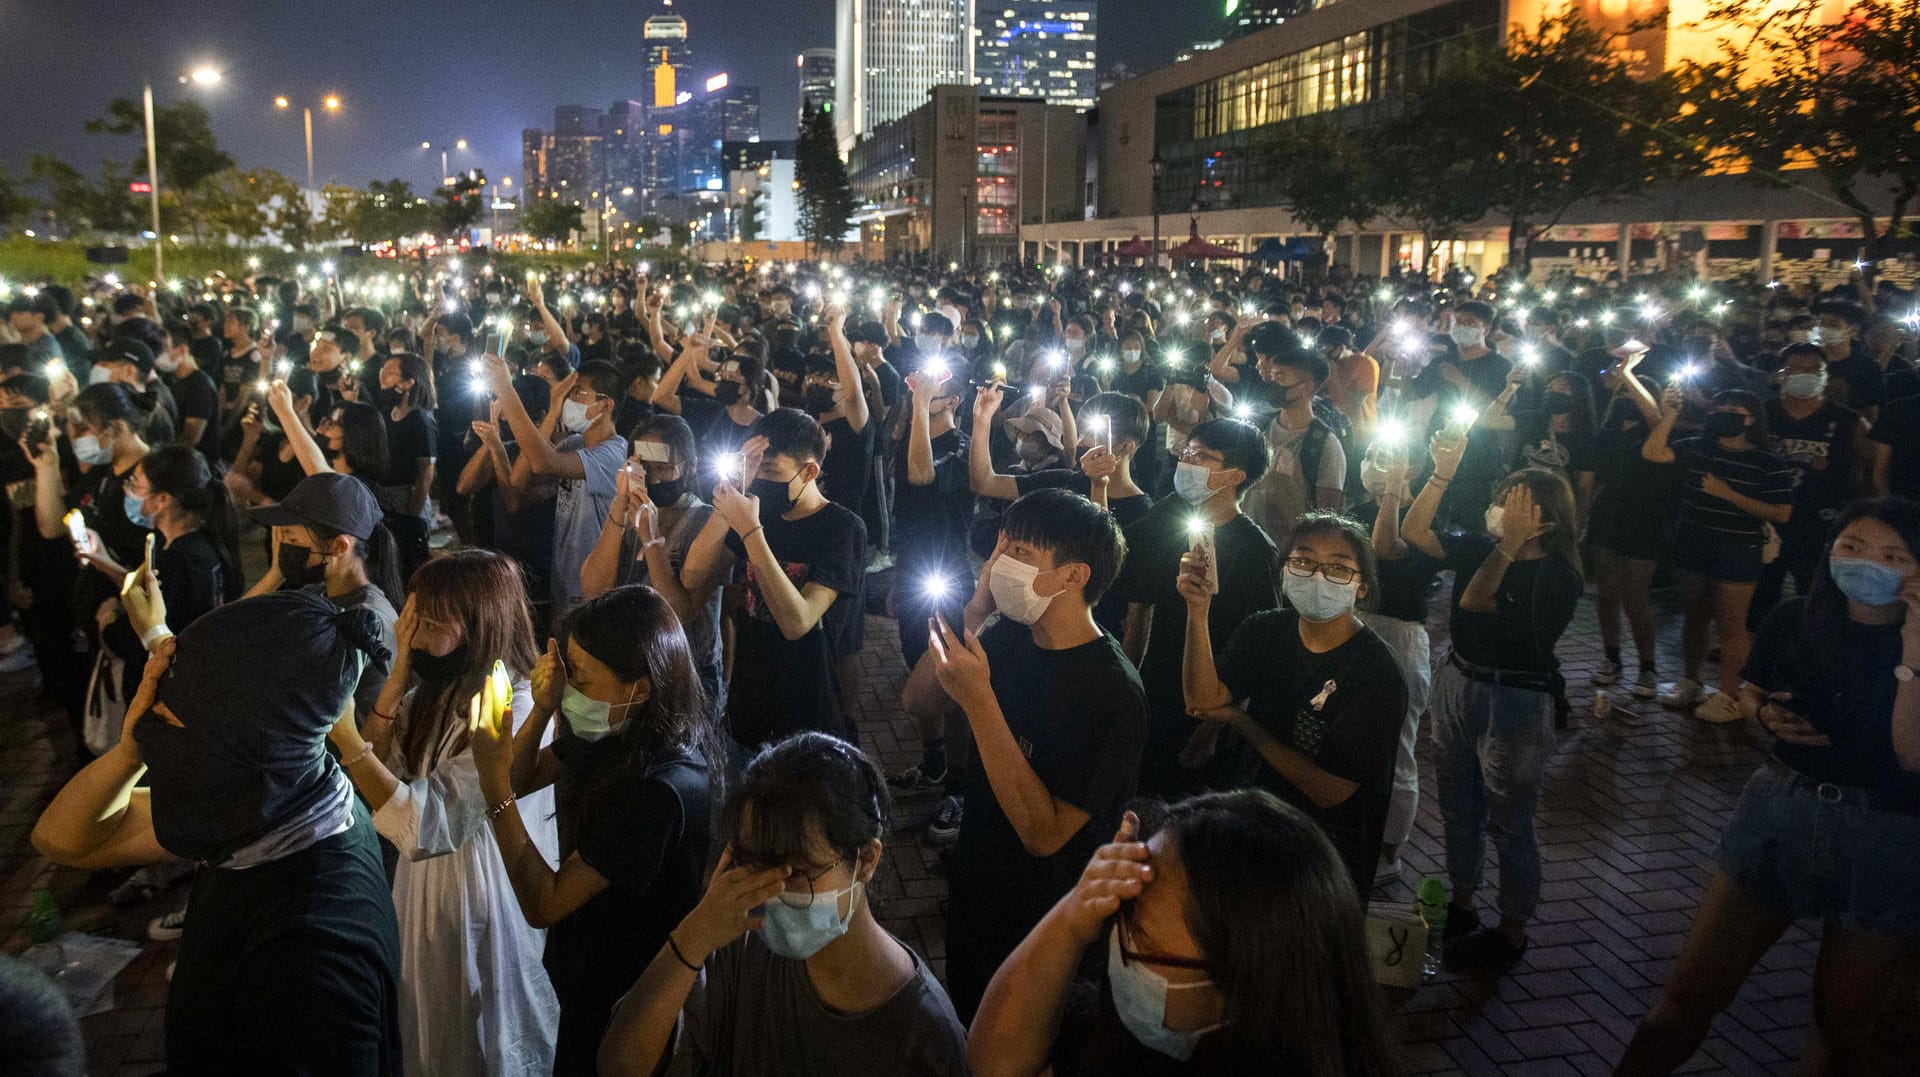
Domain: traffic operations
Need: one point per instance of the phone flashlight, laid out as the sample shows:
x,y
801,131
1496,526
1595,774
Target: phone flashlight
x,y
1463,415
76,526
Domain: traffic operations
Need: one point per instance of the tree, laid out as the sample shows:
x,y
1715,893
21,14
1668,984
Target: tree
x,y
1792,89
234,204
80,205
290,216
459,203
389,212
752,220
337,205
1323,170
551,220
186,152
1440,195
826,196
15,204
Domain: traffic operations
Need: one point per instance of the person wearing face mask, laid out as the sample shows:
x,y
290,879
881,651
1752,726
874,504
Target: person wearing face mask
x,y
1734,489
194,394
585,463
328,540
1496,700
1220,460
472,997
413,435
451,345
932,337
782,966
1227,940
835,395
1309,465
635,762
1471,375
1823,443
649,531
129,362
1058,718
1820,830
722,411
335,353
1316,697
804,559
1856,380
239,361
1134,375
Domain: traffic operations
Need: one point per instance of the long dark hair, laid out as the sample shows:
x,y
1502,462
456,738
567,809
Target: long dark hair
x,y
182,474
1279,925
381,557
485,594
1825,612
1555,498
363,440
633,631
414,369
1581,390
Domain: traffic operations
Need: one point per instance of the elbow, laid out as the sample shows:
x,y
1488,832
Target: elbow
x,y
794,633
49,844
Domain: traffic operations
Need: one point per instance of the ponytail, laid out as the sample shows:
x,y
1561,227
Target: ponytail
x,y
222,523
382,558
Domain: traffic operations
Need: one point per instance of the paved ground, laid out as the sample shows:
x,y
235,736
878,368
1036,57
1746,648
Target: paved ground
x,y
1629,819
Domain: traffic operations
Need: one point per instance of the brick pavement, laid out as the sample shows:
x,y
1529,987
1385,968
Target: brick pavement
x,y
1631,812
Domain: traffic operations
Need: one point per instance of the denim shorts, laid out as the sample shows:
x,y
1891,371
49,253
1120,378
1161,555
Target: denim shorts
x,y
1791,848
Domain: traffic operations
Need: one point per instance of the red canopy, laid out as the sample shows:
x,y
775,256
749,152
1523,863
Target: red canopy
x,y
1195,247
1134,248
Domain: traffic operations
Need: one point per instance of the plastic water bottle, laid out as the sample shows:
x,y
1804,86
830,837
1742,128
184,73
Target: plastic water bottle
x,y
43,923
1431,899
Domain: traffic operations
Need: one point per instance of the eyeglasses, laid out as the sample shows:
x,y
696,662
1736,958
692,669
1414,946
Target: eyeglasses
x,y
793,899
1191,455
1340,575
1128,955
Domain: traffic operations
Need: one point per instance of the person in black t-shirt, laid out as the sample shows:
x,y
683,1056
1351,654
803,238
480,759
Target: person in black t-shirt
x,y
1825,827
635,762
239,364
1058,719
1321,701
835,396
1222,458
1214,920
411,432
1469,375
804,561
1495,700
194,394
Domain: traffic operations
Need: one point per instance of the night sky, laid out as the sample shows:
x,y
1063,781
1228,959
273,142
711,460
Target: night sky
x,y
410,71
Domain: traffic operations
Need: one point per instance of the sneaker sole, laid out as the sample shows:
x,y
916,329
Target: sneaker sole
x,y
1644,693
942,837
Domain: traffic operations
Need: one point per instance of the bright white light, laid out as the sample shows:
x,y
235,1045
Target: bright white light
x,y
1390,433
936,587
1197,526
1463,415
327,268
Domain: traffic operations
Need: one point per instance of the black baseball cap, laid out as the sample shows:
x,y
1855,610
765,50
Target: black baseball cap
x,y
329,501
127,350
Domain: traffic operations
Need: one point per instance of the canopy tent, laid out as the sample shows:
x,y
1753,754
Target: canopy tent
x,y
1134,248
1195,247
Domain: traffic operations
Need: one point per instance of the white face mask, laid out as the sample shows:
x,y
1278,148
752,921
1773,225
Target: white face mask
x,y
1468,336
1191,481
573,417
1130,356
166,362
1012,587
1076,345
1317,598
1496,521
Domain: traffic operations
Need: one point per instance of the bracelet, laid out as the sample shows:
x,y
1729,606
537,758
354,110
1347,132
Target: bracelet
x,y
372,714
1501,550
658,540
1444,481
365,751
678,956
154,635
494,812
757,528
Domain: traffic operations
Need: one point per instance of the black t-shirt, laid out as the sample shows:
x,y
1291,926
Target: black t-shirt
x,y
197,398
930,522
1841,677
601,349
191,580
1110,612
1343,710
1625,479
1860,381
277,477
237,372
1566,453
643,824
1079,716
1535,604
527,535
1406,582
848,468
1756,473
1820,458
100,495
1898,428
1138,383
783,686
409,439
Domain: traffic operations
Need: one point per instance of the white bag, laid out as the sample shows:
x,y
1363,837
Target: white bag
x,y
106,711
1397,945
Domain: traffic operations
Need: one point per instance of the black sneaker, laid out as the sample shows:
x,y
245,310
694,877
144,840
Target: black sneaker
x,y
1460,923
919,778
945,828
1487,950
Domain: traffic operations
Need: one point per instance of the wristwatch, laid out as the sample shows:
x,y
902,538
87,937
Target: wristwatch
x,y
1903,673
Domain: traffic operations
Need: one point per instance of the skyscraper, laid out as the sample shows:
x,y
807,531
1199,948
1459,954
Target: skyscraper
x,y
889,53
575,164
1246,16
1038,48
816,78
667,60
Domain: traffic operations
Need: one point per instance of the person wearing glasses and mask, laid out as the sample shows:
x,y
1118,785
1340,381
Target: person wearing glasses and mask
x,y
782,967
1316,697
1229,941
635,764
585,462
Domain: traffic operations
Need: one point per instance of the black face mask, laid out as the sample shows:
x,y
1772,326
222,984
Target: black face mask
x,y
13,422
1559,403
819,399
774,497
294,567
727,393
330,378
438,668
1725,424
667,493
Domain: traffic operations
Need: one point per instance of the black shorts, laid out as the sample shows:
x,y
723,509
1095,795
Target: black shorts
x,y
1715,556
1635,534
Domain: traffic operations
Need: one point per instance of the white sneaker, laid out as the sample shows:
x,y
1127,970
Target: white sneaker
x,y
169,927
1719,708
16,658
1684,693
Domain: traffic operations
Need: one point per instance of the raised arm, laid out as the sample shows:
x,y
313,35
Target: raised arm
x,y
852,387
1656,449
985,481
306,450
1447,447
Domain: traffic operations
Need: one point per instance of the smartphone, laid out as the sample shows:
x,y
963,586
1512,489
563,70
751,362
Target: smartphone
x,y
496,344
1009,391
1203,545
39,427
76,527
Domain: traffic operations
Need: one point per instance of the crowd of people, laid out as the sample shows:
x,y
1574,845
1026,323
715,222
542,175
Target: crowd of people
x,y
532,747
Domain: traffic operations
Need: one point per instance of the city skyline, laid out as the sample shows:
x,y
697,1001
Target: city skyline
x,y
408,74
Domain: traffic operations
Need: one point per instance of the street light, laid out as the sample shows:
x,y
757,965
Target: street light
x,y
204,75
445,176
330,102
1159,168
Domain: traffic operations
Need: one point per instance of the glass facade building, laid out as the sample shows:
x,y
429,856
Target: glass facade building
x,y
1038,48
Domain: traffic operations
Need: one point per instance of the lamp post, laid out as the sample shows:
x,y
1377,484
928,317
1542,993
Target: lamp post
x,y
505,183
199,76
331,103
1159,168
445,176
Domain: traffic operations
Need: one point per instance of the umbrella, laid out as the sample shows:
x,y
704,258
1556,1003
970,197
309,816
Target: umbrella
x,y
1195,247
1134,248
1299,249
1270,250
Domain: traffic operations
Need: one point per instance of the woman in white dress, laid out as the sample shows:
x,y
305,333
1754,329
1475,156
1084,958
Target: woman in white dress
x,y
474,999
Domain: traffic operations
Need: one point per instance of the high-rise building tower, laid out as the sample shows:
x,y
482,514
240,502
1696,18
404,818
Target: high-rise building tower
x,y
816,78
1246,16
667,60
575,164
889,53
1038,48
